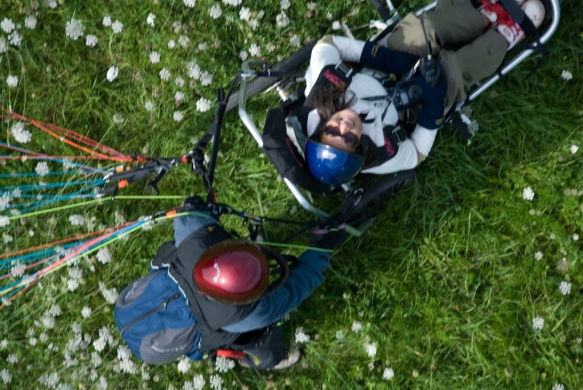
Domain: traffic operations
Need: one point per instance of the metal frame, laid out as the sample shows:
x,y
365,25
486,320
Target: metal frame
x,y
248,72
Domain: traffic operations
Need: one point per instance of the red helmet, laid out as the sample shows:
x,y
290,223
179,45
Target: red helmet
x,y
232,271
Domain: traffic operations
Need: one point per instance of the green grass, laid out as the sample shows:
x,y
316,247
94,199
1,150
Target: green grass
x,y
445,283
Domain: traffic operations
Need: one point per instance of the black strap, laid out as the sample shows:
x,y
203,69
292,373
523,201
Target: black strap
x,y
461,126
518,15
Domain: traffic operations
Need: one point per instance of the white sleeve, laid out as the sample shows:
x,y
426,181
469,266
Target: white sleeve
x,y
323,54
350,49
423,139
406,158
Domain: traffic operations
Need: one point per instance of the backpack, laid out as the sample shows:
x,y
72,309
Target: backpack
x,y
153,318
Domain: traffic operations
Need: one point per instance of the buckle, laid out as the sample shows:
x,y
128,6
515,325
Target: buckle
x,y
399,134
344,68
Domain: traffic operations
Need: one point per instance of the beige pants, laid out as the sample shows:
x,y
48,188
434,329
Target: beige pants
x,y
458,23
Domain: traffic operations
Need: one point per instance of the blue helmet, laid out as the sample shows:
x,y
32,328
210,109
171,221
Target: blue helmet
x,y
331,165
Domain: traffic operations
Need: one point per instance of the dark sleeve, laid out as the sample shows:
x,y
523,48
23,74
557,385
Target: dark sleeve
x,y
386,60
431,114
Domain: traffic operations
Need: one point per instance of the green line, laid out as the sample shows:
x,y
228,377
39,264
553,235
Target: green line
x,y
296,246
90,202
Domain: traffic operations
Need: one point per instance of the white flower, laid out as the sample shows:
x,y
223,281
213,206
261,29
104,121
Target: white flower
x,y
150,19
538,255
388,374
558,386
74,29
20,134
538,323
190,3
5,236
371,349
110,295
5,376
356,326
179,82
149,105
575,237
336,25
99,344
104,255
566,75
72,284
528,194
183,40
255,50
253,23
18,270
284,4
7,25
184,365
164,74
295,40
106,21
224,365
3,45
154,57
178,116
42,168
91,40
171,44
86,312
30,22
112,73
194,71
117,26
216,382
574,149
565,288
206,78
12,358
179,96
15,39
12,81
118,118
216,11
76,220
244,13
203,105
339,335
301,337
243,55
311,5
282,20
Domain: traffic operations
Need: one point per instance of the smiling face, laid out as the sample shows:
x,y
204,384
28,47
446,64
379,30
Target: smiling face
x,y
343,131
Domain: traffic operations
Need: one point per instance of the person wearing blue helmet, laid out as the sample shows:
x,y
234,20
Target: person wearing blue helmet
x,y
351,125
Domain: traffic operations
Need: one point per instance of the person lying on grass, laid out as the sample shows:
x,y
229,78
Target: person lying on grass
x,y
209,292
351,125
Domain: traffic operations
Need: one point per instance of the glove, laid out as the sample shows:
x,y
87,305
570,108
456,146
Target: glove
x,y
195,202
327,238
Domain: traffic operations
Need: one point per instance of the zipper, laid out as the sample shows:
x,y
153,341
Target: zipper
x,y
163,305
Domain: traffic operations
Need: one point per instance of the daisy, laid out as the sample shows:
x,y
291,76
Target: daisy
x,y
15,39
538,255
183,40
178,116
184,365
12,81
20,134
76,220
3,45
171,44
150,19
574,149
179,82
42,168
154,57
206,78
528,194
565,288
243,55
7,25
336,25
74,29
164,74
301,337
566,75
107,21
30,22
356,326
282,20
203,105
538,323
91,40
149,105
388,374
190,3
284,4
178,97
255,50
295,40
244,13
216,12
117,26
224,365
112,73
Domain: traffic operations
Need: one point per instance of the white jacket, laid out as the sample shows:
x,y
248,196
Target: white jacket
x,y
363,85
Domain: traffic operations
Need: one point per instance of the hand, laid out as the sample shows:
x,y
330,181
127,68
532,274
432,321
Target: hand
x,y
328,237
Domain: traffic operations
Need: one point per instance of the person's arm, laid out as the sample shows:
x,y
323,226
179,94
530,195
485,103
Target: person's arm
x,y
301,282
386,60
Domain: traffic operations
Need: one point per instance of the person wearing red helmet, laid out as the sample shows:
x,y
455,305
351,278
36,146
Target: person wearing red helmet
x,y
226,284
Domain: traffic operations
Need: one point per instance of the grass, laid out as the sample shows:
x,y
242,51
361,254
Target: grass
x,y
445,283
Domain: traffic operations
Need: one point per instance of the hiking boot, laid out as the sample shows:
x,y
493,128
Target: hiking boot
x,y
289,359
